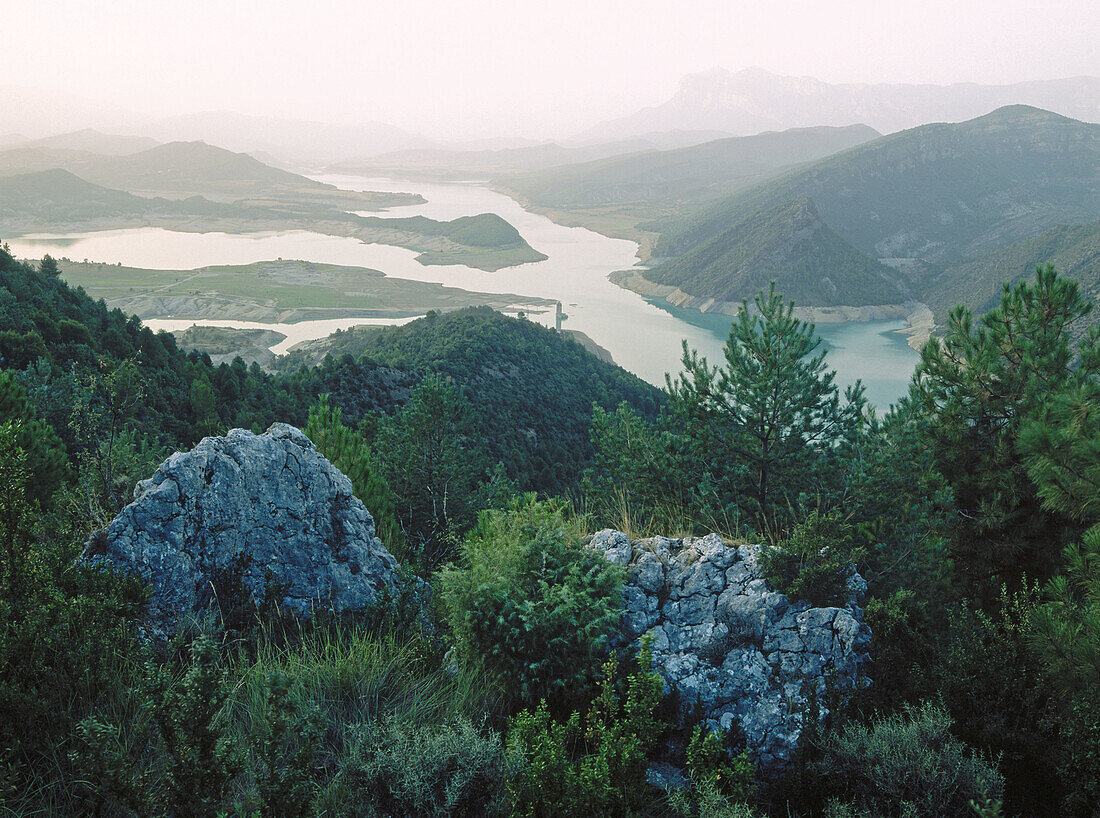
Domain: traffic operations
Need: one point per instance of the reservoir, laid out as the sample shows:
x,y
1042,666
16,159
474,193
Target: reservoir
x,y
644,338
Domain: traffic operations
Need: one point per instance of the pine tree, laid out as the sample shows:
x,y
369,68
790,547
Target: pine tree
x,y
45,452
772,413
348,451
439,475
978,388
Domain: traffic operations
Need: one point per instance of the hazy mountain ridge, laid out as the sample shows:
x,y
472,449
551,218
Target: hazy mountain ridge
x,y
192,168
694,172
925,198
89,140
755,100
295,141
59,196
443,163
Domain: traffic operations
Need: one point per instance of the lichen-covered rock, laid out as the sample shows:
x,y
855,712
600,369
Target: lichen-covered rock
x,y
268,507
731,645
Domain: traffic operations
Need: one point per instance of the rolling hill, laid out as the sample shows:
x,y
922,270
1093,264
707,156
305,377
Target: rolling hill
x,y
180,169
90,140
58,196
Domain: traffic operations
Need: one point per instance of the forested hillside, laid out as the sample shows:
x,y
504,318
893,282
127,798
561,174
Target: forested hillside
x,y
1073,249
790,245
685,177
532,390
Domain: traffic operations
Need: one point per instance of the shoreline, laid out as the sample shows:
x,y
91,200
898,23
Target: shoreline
x,y
917,315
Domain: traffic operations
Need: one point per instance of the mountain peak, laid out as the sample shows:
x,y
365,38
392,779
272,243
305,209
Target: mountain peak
x,y
754,99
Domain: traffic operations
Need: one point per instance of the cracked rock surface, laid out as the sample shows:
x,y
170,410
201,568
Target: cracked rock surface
x,y
729,644
269,508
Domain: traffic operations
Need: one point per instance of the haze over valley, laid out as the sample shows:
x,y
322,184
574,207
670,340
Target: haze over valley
x,y
851,223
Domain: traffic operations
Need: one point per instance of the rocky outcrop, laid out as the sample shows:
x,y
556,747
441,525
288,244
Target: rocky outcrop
x,y
732,648
266,511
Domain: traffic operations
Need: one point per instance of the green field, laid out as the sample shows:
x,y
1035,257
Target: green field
x,y
271,291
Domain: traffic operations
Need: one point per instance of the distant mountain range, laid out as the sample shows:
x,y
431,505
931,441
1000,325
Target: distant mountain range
x,y
754,100
482,163
287,141
687,174
87,140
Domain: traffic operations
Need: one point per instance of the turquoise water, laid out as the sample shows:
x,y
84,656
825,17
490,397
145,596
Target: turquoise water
x,y
874,352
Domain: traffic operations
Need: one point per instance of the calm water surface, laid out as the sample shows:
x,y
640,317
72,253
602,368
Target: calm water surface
x,y
642,337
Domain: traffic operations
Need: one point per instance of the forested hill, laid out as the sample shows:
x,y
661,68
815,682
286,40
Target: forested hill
x,y
531,388
928,197
788,244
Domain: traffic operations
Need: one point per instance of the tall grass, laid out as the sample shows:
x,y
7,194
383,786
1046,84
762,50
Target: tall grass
x,y
354,676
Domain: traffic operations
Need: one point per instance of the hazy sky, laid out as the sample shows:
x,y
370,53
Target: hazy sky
x,y
475,67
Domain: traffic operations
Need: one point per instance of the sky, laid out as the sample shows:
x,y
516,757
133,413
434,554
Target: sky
x,y
492,67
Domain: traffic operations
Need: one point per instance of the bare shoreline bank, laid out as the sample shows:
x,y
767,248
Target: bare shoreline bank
x,y
917,315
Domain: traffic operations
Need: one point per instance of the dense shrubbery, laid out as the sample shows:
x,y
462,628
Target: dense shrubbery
x,y
814,562
967,509
587,764
532,604
909,764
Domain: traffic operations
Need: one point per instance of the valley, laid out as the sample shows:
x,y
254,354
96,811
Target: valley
x,y
640,336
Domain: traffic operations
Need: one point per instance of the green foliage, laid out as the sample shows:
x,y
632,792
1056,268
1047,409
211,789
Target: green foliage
x,y
719,786
646,479
400,769
814,562
201,757
45,452
202,403
64,633
772,416
986,675
592,764
532,604
286,755
709,763
978,388
349,451
1079,751
909,766
439,475
1067,628
48,266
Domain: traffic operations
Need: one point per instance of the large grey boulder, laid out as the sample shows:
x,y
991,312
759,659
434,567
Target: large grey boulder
x,y
730,645
268,510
